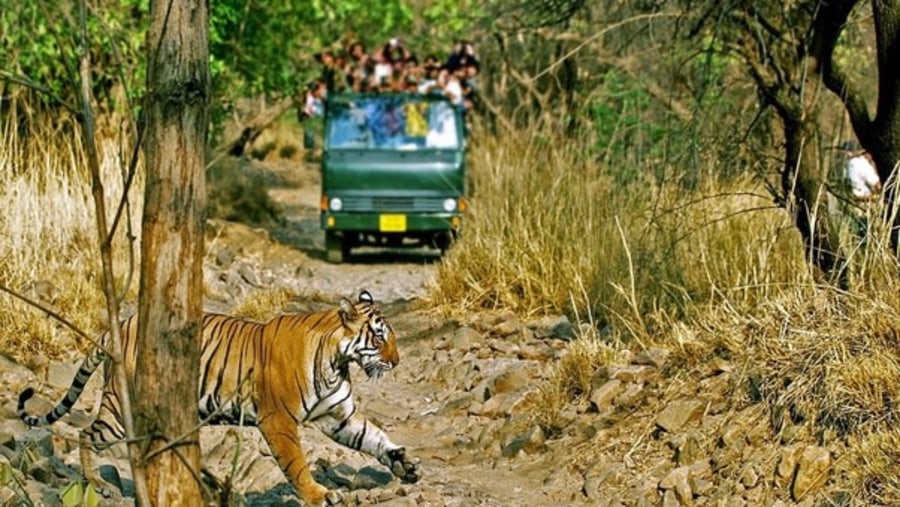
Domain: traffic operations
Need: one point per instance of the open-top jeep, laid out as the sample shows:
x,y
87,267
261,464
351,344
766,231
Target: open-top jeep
x,y
393,172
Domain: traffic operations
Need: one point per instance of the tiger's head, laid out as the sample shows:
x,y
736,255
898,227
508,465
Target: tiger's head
x,y
371,342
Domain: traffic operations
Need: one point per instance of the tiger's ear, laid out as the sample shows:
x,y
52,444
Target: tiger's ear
x,y
365,297
347,311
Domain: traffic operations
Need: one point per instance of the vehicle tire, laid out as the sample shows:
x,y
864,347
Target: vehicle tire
x,y
336,248
443,241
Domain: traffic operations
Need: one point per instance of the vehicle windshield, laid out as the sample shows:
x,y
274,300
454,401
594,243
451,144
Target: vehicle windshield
x,y
395,122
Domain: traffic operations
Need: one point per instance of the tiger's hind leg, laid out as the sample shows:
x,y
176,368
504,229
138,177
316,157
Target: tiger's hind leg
x,y
103,432
280,432
85,450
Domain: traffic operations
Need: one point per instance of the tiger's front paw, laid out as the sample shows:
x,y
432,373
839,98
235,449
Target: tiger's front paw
x,y
317,495
402,467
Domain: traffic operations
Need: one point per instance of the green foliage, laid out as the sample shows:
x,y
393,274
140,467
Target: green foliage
x,y
263,47
15,480
266,47
77,494
449,19
43,44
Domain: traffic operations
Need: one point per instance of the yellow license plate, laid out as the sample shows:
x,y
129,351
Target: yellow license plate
x,y
392,223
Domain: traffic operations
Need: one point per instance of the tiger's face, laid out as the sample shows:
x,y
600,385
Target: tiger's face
x,y
372,343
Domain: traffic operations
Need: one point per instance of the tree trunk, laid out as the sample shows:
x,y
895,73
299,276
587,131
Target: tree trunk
x,y
170,301
886,145
803,182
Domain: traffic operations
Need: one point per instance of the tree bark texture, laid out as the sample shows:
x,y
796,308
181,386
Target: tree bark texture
x,y
170,300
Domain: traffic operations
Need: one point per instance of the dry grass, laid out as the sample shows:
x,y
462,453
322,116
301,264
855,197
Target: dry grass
x,y
570,381
873,465
552,231
262,306
48,246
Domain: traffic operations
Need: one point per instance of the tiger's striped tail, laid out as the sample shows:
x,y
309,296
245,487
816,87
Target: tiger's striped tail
x,y
87,368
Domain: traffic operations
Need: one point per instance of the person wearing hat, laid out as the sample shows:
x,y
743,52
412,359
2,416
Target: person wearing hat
x,y
860,173
863,182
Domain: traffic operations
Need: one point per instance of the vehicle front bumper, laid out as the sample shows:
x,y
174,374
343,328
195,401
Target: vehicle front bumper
x,y
391,223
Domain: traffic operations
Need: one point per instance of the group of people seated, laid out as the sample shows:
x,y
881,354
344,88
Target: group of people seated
x,y
394,68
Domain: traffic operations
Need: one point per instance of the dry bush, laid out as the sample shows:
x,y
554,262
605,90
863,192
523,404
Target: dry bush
x,y
262,306
873,465
48,245
237,190
570,381
553,230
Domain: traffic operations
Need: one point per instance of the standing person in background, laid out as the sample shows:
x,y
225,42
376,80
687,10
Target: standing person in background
x,y
313,107
359,65
863,182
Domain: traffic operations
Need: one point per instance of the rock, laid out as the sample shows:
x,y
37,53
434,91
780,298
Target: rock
x,y
670,499
560,328
631,373
700,486
687,448
600,478
530,442
466,338
749,477
603,396
38,439
540,352
678,413
655,357
60,375
225,256
494,406
701,468
370,478
459,404
677,481
813,470
787,466
506,346
509,325
511,379
630,396
734,437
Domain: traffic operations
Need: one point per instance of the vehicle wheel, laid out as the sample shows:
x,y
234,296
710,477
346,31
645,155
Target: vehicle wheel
x,y
443,242
337,250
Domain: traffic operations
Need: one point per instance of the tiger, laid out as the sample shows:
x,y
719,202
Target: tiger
x,y
276,375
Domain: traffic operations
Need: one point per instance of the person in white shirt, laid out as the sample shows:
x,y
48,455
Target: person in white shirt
x,y
865,185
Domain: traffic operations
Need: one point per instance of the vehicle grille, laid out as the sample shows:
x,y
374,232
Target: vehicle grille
x,y
383,203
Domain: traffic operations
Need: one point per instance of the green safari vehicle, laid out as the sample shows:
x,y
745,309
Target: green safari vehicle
x,y
393,172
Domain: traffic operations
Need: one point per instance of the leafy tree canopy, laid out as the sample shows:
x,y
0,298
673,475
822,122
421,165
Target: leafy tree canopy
x,y
264,47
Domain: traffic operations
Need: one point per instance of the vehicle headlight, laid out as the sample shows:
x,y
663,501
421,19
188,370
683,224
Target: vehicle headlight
x,y
335,204
449,205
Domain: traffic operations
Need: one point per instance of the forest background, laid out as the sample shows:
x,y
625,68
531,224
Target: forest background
x,y
649,167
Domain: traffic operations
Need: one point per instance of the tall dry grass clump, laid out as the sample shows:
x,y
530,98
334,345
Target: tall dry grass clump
x,y
48,239
551,229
